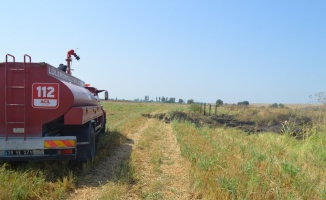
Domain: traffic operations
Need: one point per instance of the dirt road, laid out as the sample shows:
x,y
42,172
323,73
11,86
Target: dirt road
x,y
160,170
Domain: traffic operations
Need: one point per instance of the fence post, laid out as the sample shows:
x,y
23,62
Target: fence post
x,y
215,109
201,107
204,109
210,107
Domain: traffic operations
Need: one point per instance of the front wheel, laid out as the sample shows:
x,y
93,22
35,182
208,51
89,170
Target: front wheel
x,y
91,155
103,130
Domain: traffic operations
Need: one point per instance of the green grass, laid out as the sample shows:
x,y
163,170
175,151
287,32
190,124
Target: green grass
x,y
229,164
27,182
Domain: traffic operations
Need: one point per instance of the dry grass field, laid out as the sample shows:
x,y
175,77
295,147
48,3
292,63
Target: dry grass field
x,y
170,151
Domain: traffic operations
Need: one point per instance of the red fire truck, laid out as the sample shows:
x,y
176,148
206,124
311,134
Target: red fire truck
x,y
46,113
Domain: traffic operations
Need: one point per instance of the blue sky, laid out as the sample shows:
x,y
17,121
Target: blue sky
x,y
259,51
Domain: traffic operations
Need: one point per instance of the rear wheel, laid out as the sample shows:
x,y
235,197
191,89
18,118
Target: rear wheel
x,y
86,150
85,140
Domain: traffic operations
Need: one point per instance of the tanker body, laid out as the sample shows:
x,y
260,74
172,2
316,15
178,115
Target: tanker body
x,y
46,113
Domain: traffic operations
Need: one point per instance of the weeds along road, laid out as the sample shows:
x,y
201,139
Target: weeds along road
x,y
143,162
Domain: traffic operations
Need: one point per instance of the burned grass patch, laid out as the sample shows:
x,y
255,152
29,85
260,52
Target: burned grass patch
x,y
277,125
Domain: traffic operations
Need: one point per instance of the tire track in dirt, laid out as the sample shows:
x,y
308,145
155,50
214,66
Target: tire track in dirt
x,y
172,177
174,169
89,186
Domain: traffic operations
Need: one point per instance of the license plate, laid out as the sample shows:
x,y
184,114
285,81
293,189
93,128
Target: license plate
x,y
18,152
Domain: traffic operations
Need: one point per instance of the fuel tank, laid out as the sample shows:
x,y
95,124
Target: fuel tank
x,y
33,94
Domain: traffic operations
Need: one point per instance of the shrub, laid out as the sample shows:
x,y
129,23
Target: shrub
x,y
195,107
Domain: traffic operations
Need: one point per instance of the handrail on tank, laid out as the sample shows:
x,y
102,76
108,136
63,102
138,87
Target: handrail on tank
x,y
10,56
30,59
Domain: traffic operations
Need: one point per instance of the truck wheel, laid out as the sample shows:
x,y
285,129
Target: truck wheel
x,y
86,152
85,135
103,129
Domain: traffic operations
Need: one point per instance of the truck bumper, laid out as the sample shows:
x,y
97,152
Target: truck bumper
x,y
40,148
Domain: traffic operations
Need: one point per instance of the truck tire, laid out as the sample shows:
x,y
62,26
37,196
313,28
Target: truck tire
x,y
86,152
92,144
104,127
85,135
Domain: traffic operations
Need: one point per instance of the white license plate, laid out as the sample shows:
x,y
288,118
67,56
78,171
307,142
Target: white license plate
x,y
19,152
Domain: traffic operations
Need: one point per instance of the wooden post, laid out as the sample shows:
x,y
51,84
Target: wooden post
x,y
215,109
210,107
204,109
201,107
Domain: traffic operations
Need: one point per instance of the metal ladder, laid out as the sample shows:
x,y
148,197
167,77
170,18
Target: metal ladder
x,y
9,88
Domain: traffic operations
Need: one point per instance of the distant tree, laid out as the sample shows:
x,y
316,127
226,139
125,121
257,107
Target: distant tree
x,y
219,102
281,105
243,103
190,101
163,99
180,101
274,105
172,100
